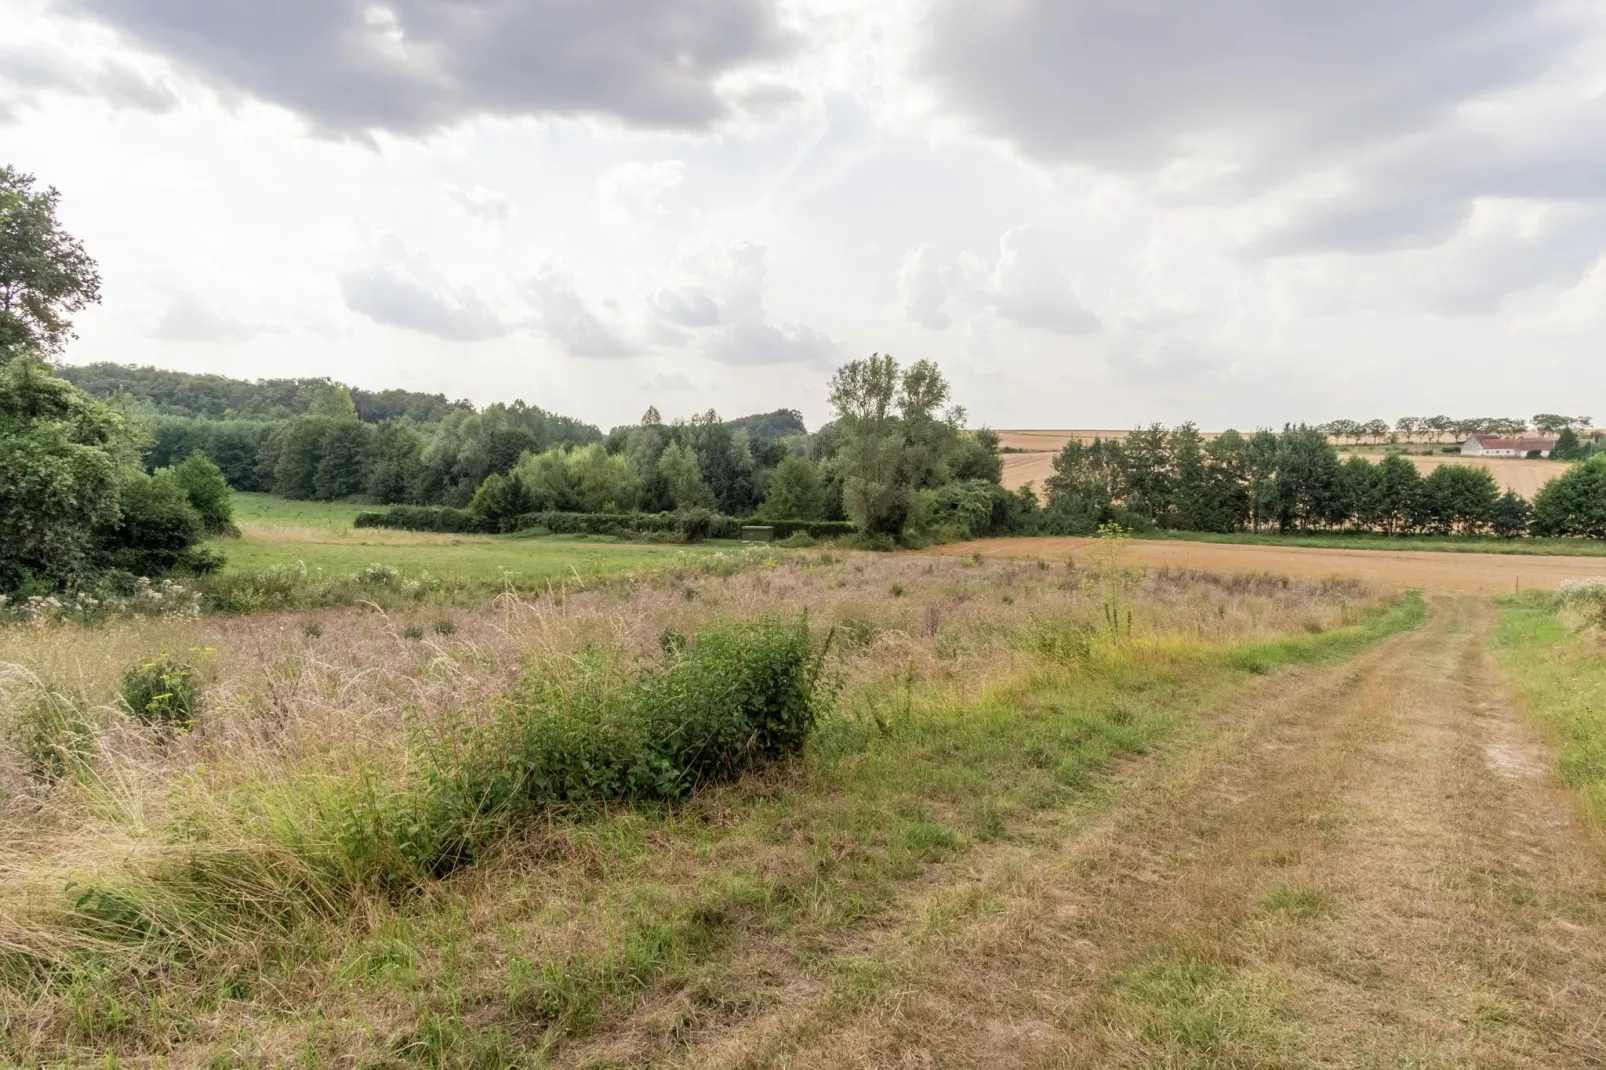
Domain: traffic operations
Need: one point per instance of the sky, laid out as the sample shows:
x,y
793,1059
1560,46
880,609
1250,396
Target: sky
x,y
1089,213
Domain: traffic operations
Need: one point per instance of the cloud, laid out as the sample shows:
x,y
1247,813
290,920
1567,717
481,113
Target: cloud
x,y
413,66
669,381
189,319
1024,286
635,191
760,343
406,291
566,319
29,70
721,298
483,204
923,280
1362,127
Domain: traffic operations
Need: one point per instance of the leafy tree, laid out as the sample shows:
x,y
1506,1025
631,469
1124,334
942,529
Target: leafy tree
x,y
1261,483
1551,423
301,450
1510,516
1574,503
1567,447
1399,489
603,483
155,528
500,497
683,479
795,492
394,463
977,457
208,493
340,472
1459,499
1307,480
332,400
61,459
45,274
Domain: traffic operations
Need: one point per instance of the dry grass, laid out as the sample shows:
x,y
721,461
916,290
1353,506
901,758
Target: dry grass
x,y
609,934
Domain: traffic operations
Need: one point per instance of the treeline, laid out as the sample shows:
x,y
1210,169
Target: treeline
x,y
1433,428
1293,481
217,397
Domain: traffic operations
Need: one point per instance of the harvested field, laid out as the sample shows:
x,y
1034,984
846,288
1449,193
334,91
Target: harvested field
x,y
1472,572
1524,477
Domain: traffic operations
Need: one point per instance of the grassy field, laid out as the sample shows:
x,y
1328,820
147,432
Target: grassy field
x,y
216,913
276,533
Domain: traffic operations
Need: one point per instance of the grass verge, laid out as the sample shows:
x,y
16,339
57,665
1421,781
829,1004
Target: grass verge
x,y
1455,544
1550,648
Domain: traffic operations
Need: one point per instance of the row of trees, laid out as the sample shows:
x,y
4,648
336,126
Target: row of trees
x,y
1288,481
1432,428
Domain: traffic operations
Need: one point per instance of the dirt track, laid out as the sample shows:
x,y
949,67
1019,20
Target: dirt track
x,y
1480,573
1361,866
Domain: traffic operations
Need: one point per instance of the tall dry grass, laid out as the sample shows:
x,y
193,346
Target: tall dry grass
x,y
295,705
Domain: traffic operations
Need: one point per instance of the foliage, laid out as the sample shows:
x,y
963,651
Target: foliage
x,y
795,492
55,736
208,493
762,427
162,692
156,528
61,456
216,397
1573,503
45,274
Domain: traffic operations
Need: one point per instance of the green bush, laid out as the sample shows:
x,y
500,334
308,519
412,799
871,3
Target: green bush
x,y
693,524
425,518
1573,503
208,493
157,528
720,704
161,692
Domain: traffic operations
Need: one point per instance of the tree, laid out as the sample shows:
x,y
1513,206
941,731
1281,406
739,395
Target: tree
x,y
62,457
1307,479
394,463
500,497
1573,503
208,493
1191,507
875,489
683,479
340,471
1551,423
1510,516
1567,447
1459,499
45,274
1399,486
794,492
155,528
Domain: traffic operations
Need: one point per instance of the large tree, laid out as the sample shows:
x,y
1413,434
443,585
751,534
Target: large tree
x,y
45,274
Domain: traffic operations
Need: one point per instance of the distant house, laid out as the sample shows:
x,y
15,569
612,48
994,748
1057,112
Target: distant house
x,y
1500,446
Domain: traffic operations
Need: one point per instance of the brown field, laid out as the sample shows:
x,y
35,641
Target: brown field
x,y
1481,573
1034,467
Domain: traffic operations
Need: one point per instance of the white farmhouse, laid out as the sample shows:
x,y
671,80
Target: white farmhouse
x,y
1500,446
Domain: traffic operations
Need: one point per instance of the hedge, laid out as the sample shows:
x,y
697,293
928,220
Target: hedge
x,y
425,518
695,524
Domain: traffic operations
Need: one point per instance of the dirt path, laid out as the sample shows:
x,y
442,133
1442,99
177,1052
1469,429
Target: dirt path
x,y
1362,866
1427,569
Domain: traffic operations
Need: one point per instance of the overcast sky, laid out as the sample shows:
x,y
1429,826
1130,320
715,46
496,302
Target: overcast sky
x,y
1090,212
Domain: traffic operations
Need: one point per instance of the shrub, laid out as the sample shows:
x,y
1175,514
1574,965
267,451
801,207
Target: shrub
x,y
446,626
720,704
156,529
208,493
425,518
161,692
1573,503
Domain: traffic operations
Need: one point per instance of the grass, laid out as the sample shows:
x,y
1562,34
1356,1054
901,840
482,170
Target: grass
x,y
1463,544
1550,647
281,534
980,696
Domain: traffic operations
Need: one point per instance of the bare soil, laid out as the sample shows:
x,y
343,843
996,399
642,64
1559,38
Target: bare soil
x,y
1359,866
1425,569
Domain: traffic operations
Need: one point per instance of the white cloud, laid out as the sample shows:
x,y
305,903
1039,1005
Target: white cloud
x,y
923,280
482,203
189,319
566,319
636,192
1024,286
406,291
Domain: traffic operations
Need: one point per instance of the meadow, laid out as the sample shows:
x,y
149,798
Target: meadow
x,y
248,888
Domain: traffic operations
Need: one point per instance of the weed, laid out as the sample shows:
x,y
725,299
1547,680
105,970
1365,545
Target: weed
x,y
1303,904
445,626
312,629
161,692
413,631
55,736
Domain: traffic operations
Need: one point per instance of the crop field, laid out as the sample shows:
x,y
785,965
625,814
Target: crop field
x,y
1036,465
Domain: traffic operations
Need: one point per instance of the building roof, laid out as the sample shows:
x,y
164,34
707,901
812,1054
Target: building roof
x,y
1524,445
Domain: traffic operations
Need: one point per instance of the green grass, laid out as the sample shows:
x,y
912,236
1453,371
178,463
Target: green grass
x,y
277,533
1461,544
1555,667
267,509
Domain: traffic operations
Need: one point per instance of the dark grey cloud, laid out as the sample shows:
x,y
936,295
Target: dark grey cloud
x,y
26,71
412,66
405,292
